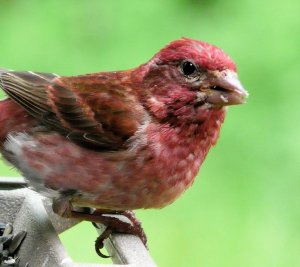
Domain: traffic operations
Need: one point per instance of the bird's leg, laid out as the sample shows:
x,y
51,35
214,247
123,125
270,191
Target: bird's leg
x,y
113,224
62,207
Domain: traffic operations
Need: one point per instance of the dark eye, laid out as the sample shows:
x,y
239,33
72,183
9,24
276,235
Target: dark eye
x,y
188,68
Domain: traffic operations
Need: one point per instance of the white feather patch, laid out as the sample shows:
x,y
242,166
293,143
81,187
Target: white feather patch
x,y
15,145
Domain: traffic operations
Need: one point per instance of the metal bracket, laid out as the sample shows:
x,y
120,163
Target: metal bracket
x,y
29,211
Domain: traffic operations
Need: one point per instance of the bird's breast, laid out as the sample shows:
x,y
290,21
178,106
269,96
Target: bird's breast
x,y
169,158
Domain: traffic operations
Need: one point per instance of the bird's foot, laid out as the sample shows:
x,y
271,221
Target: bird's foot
x,y
117,225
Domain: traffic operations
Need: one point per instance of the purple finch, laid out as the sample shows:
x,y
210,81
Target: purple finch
x,y
122,140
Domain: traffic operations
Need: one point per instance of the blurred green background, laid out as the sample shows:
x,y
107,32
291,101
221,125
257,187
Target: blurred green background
x,y
243,210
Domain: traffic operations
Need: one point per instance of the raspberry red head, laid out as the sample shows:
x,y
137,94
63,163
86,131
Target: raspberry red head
x,y
189,76
204,55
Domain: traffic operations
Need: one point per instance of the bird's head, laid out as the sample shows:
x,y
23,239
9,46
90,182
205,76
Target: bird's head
x,y
187,77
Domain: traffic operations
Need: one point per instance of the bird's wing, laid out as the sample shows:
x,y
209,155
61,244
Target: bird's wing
x,y
91,109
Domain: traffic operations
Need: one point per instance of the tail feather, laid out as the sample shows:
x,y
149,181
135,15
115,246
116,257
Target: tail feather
x,y
13,118
3,71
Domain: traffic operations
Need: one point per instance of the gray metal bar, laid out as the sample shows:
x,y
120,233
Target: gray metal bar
x,y
9,183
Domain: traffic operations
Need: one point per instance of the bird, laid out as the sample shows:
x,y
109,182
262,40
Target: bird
x,y
118,141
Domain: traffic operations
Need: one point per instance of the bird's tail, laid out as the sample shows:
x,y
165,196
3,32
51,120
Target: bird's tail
x,y
13,118
2,95
3,71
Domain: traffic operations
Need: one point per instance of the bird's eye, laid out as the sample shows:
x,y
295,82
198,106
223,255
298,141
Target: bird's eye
x,y
188,68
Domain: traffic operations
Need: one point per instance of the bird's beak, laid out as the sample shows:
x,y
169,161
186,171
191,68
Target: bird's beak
x,y
225,89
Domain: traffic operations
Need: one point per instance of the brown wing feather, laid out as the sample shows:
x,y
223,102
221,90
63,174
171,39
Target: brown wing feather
x,y
91,109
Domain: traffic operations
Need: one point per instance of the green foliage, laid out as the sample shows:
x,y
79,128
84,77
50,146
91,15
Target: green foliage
x,y
244,208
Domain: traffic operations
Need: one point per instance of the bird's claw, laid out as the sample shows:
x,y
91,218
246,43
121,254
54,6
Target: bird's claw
x,y
99,243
